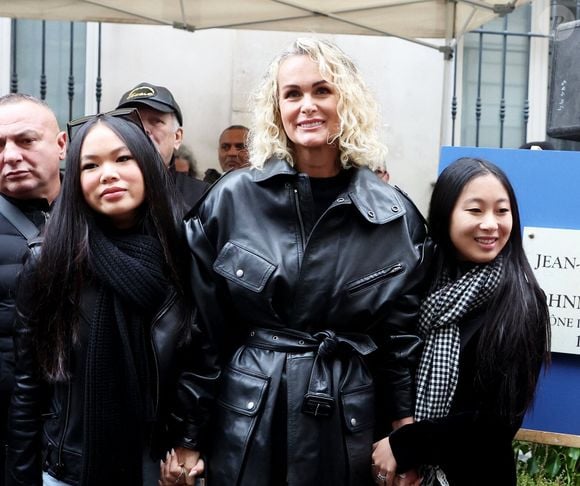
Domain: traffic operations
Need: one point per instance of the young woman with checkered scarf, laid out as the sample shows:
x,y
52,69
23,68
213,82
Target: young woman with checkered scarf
x,y
486,333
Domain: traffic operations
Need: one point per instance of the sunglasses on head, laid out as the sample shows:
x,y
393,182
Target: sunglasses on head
x,y
130,114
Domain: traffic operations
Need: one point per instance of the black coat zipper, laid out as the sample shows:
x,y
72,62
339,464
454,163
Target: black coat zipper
x,y
300,222
375,277
59,467
157,380
160,313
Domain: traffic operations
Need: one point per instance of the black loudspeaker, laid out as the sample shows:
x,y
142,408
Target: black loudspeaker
x,y
564,104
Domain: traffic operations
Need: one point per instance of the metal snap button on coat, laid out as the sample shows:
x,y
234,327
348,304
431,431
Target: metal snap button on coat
x,y
353,421
239,273
340,199
250,405
275,338
395,209
371,214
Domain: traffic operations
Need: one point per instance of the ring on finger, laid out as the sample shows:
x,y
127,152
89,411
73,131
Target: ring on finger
x,y
381,477
181,475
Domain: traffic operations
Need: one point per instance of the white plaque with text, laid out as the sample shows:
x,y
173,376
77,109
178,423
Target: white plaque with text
x,y
554,255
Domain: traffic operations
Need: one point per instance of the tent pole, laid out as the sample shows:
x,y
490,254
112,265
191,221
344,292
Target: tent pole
x,y
448,98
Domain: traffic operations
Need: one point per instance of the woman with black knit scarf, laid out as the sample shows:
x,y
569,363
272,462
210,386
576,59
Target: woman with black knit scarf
x,y
113,374
486,335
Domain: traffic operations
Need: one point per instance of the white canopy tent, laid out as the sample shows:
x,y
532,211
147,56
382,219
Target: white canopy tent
x,y
412,20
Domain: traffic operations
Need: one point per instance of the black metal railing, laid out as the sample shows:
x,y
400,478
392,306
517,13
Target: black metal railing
x,y
66,47
99,82
487,106
71,77
13,58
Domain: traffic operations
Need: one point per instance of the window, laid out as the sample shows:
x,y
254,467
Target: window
x,y
56,45
503,74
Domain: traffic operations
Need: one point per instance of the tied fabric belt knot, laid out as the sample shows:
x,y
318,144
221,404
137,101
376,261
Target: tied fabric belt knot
x,y
319,398
328,343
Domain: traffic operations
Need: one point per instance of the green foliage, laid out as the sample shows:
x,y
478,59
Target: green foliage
x,y
545,465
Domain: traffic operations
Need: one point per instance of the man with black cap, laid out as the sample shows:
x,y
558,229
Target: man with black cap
x,y
163,122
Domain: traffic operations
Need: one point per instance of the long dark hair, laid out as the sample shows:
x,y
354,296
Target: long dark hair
x,y
62,270
515,339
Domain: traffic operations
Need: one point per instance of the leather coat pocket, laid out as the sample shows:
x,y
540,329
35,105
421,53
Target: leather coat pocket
x,y
358,407
240,401
243,267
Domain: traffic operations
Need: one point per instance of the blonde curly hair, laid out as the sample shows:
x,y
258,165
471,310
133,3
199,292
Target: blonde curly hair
x,y
357,139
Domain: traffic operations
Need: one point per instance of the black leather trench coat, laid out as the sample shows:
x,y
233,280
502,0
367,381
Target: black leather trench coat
x,y
314,320
46,419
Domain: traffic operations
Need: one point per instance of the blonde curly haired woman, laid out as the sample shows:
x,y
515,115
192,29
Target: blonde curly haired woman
x,y
308,271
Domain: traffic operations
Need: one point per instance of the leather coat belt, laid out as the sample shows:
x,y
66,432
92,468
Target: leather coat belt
x,y
327,345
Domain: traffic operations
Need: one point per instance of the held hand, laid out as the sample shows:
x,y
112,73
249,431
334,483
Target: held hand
x,y
384,463
181,466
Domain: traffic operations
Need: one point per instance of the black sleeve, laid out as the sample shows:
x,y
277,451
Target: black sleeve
x,y
23,463
209,292
450,439
190,412
399,345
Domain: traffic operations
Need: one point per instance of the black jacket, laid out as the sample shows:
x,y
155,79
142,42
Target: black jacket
x,y
13,249
262,262
46,420
190,189
473,444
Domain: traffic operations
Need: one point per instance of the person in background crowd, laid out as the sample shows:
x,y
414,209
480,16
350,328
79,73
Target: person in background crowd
x,y
309,272
163,122
486,330
111,369
185,161
31,148
232,148
232,151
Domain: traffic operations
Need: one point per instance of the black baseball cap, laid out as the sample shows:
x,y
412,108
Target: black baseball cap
x,y
156,97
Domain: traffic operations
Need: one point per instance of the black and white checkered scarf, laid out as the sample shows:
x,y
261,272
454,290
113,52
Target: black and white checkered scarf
x,y
439,319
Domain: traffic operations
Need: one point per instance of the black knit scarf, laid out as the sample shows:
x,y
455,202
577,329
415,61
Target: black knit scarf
x,y
131,287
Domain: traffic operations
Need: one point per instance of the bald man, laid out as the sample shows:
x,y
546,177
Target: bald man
x,y
31,148
232,148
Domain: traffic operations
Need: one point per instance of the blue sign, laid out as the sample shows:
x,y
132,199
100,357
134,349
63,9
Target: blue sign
x,y
547,186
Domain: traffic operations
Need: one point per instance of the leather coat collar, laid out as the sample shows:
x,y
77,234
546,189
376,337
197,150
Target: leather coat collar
x,y
361,192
